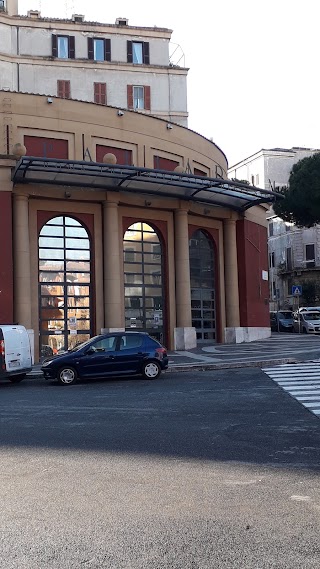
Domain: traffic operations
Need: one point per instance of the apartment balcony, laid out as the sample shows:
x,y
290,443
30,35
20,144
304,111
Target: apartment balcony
x,y
295,271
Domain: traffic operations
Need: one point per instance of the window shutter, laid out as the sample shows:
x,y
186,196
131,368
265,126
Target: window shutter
x,y
146,55
103,93
107,49
147,98
54,46
100,93
72,51
96,89
60,89
129,52
64,89
90,48
130,96
67,92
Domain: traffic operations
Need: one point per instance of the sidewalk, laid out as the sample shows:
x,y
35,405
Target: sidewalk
x,y
279,349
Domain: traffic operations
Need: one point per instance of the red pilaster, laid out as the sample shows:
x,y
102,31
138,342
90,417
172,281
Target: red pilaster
x,y
252,261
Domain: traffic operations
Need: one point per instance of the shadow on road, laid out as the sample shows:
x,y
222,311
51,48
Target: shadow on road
x,y
238,415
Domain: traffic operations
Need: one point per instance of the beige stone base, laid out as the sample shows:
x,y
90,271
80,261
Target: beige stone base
x,y
245,334
185,338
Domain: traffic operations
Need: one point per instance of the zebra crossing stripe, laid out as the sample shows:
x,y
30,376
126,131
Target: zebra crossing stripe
x,y
301,381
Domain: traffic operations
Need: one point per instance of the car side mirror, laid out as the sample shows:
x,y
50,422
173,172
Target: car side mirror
x,y
91,350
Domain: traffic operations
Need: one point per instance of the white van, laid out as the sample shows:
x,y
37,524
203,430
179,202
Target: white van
x,y
15,352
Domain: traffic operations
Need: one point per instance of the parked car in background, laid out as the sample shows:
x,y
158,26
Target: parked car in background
x,y
117,354
15,353
281,321
306,321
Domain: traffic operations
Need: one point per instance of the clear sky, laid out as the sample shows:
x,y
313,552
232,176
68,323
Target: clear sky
x,y
254,77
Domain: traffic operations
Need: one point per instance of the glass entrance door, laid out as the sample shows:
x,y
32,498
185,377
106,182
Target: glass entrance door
x,y
64,285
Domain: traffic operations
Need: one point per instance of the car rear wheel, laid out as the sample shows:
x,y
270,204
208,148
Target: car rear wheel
x,y
67,375
17,378
151,370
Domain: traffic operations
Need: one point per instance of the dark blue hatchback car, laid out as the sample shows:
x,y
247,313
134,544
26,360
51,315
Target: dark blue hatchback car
x,y
120,353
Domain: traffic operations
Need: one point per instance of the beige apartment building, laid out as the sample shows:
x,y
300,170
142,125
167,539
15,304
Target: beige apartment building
x,y
111,64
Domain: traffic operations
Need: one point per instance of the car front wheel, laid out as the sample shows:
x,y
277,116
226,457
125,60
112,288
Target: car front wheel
x,y
151,370
67,376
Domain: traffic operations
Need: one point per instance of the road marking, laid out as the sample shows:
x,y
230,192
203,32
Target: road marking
x,y
301,381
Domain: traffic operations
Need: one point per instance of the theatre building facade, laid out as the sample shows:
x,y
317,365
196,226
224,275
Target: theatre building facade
x,y
112,222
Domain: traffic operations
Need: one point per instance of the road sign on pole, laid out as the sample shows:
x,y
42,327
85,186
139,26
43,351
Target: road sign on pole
x,y
296,290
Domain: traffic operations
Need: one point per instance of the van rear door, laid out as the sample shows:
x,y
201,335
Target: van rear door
x,y
17,348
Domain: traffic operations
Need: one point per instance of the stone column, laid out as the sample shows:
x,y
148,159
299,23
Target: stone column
x,y
113,293
184,334
231,279
21,261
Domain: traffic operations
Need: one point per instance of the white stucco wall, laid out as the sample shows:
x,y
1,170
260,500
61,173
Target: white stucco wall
x,y
8,76
42,79
8,39
37,71
38,42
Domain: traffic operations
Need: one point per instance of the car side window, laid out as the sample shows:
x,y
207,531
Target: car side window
x,y
128,342
105,345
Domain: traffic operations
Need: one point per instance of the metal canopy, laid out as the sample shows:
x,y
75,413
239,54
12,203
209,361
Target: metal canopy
x,y
155,183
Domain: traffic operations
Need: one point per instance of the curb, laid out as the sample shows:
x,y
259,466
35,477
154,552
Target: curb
x,y
203,366
231,365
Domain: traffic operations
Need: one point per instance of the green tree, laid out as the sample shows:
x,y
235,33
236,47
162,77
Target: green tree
x,y
301,200
310,291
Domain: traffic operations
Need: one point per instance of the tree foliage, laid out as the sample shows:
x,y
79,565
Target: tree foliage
x,y
301,202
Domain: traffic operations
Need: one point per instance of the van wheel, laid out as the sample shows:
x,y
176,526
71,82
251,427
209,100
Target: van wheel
x,y
151,370
17,378
67,375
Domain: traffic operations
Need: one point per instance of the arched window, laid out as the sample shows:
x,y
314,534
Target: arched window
x,y
202,282
64,285
143,280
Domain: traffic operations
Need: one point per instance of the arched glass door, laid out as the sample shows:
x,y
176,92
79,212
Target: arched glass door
x,y
202,282
143,280
64,285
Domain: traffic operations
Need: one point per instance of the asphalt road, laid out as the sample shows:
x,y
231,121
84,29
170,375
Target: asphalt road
x,y
216,469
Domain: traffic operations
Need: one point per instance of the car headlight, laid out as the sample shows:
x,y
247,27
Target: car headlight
x,y
48,362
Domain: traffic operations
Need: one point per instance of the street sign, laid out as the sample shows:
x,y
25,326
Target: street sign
x,y
296,290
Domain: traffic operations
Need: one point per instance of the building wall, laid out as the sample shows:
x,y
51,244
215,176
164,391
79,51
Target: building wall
x,y
27,64
276,165
75,129
85,127
38,42
252,266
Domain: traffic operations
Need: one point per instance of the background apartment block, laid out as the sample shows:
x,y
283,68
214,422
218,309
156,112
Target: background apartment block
x,y
294,253
109,64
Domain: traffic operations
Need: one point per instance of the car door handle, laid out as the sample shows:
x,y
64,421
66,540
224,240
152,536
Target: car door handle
x,y
111,357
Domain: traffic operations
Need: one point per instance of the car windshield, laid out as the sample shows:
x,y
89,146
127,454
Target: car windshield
x,y
285,315
311,315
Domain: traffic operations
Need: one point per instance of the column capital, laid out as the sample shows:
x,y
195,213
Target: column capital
x,y
21,197
111,199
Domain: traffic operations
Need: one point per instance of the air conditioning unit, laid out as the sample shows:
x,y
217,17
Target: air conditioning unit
x,y
78,18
